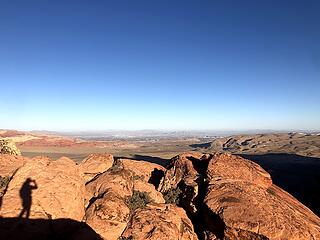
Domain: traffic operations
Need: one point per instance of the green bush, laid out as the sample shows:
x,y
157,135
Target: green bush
x,y
4,181
137,177
139,200
271,191
172,196
125,238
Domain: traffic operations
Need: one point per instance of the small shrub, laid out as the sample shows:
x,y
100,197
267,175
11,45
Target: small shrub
x,y
139,200
271,191
126,238
116,167
4,181
172,196
138,177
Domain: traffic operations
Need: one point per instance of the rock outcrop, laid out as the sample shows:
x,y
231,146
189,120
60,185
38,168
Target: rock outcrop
x,y
7,146
95,164
229,197
142,169
160,221
186,175
107,212
146,177
208,197
8,165
229,167
45,189
244,198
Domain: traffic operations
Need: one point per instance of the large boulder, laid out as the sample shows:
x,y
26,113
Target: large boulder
x,y
159,221
240,197
146,177
7,146
234,168
108,215
141,186
116,179
107,211
42,188
95,164
144,170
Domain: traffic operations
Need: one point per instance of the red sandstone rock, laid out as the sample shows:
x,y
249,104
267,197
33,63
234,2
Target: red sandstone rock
x,y
235,168
10,163
108,195
144,175
51,189
95,164
239,196
160,221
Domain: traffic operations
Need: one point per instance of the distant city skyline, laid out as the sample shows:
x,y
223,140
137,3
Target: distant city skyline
x,y
167,65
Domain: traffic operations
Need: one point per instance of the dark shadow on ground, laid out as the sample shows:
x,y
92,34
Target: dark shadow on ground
x,y
161,161
27,229
26,196
298,175
200,145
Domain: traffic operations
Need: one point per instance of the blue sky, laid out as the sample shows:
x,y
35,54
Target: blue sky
x,y
218,65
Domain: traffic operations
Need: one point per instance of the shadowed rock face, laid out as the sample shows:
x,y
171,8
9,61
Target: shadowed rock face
x,y
186,174
40,229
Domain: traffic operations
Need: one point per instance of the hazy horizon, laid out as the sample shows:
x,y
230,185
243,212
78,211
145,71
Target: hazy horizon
x,y
209,131
85,66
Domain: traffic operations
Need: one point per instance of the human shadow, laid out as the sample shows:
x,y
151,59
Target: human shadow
x,y
26,196
298,175
36,229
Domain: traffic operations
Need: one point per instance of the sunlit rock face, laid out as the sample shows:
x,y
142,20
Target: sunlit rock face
x,y
240,195
8,147
42,188
160,221
95,164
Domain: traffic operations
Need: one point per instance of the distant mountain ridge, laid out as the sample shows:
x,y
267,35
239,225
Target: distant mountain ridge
x,y
305,144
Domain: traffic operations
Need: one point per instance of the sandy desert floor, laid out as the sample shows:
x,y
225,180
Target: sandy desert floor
x,y
158,151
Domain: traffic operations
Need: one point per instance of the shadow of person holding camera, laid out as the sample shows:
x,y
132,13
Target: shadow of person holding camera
x,y
26,196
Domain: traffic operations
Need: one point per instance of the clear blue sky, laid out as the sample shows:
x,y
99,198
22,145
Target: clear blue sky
x,y
96,65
